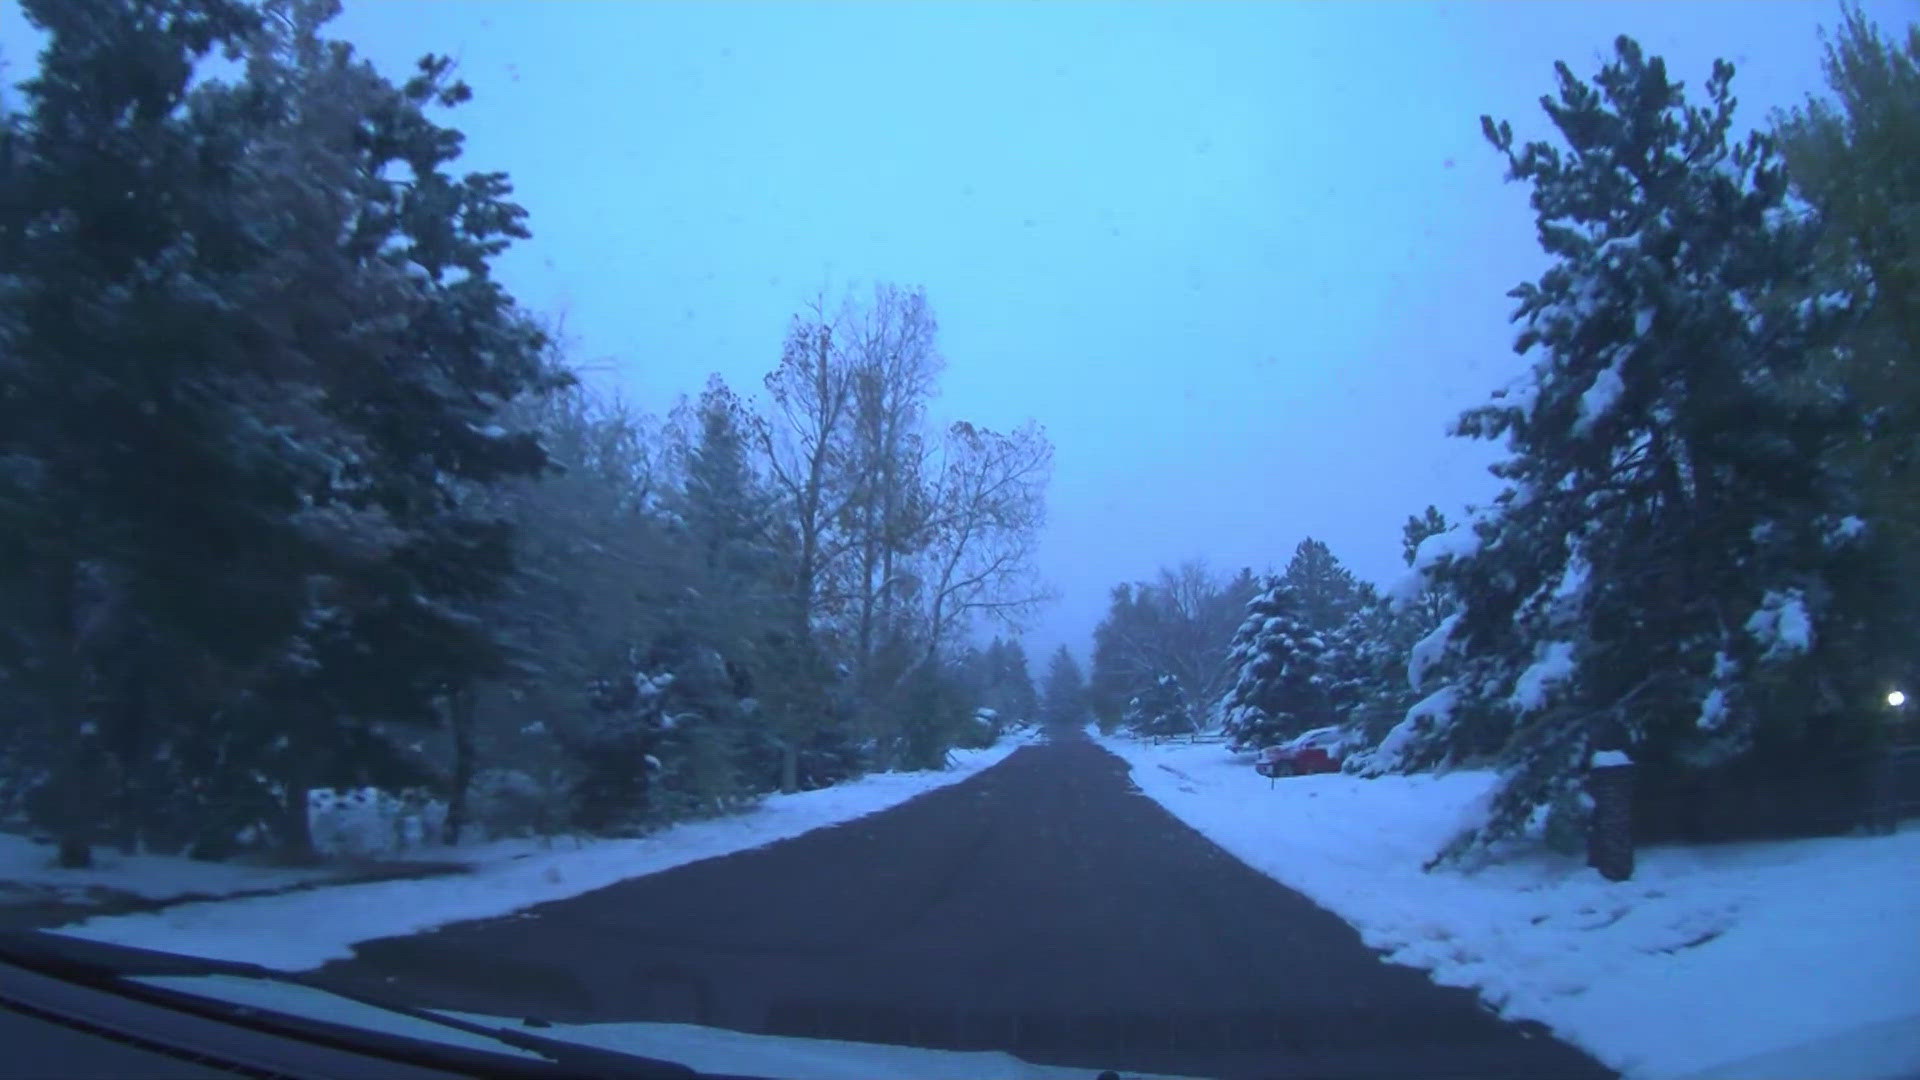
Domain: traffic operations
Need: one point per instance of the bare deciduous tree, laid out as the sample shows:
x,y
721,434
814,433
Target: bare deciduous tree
x,y
986,508
1179,625
803,443
897,537
895,367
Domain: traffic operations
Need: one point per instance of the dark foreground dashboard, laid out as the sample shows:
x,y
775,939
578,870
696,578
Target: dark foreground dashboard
x,y
52,1028
81,1010
73,1009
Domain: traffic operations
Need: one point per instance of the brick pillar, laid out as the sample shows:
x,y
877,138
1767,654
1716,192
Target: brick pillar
x,y
1610,836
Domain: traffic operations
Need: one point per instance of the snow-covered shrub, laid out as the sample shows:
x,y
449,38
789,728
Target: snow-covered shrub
x,y
510,802
369,821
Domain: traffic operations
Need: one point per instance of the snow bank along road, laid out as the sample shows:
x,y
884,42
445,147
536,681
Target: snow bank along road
x,y
1710,957
298,931
1043,906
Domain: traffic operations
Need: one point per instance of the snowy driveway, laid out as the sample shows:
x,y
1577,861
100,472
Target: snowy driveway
x,y
1043,906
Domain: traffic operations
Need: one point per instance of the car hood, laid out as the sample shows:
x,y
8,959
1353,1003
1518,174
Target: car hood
x,y
703,1049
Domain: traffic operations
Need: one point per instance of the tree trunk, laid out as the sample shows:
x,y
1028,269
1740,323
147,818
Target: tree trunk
x,y
73,810
296,825
863,648
461,708
296,828
131,754
789,766
75,853
76,802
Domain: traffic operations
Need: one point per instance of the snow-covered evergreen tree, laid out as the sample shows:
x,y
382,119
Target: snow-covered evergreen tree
x,y
1333,602
1327,592
1161,709
1065,700
1418,528
1853,155
1367,664
1372,687
1281,687
1022,698
721,503
1000,682
1664,572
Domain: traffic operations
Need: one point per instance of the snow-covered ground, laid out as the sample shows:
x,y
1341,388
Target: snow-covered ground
x,y
29,868
1708,956
302,930
362,832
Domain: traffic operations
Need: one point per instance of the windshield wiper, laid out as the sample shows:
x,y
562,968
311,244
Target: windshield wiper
x,y
118,969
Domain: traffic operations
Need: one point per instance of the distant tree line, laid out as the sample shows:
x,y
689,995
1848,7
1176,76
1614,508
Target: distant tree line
x,y
1260,657
293,494
1704,551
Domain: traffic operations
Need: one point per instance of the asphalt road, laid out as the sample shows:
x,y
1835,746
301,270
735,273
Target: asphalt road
x,y
1043,907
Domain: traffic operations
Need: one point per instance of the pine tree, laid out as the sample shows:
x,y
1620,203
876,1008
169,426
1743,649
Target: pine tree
x,y
157,558
1852,159
1022,699
998,680
401,641
1327,592
1161,709
598,574
1418,528
241,301
722,504
1662,572
1066,692
1372,688
1281,688
1117,675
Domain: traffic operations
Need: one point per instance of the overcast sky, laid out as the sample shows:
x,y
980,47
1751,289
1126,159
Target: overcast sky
x,y
1244,261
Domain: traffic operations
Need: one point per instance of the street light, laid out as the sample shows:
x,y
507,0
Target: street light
x,y
1896,698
